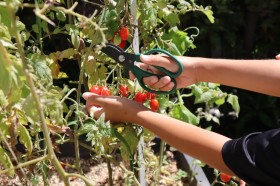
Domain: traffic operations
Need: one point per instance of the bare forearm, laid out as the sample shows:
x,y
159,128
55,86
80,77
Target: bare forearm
x,y
261,76
197,142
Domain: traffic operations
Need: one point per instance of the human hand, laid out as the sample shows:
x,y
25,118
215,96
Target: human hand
x,y
278,57
165,84
116,109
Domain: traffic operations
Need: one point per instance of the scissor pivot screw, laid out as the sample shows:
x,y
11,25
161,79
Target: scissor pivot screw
x,y
121,58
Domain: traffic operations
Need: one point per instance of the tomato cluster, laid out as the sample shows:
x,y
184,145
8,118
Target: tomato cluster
x,y
121,37
141,97
100,90
123,91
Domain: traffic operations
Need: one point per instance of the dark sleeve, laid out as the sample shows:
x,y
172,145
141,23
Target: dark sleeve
x,y
255,158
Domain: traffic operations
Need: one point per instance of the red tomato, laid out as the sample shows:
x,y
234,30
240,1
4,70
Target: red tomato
x,y
140,97
105,91
124,33
123,44
224,177
95,89
154,104
123,90
151,95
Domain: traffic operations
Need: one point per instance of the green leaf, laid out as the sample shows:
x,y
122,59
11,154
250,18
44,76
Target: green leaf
x,y
204,97
3,101
179,38
6,161
4,17
171,18
24,138
162,4
180,112
208,12
29,106
233,100
5,70
39,63
5,129
61,16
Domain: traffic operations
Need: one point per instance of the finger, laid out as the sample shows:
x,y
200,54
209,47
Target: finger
x,y
168,87
95,111
92,99
160,60
162,82
149,81
278,57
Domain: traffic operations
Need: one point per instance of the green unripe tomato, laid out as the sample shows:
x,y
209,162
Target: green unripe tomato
x,y
117,40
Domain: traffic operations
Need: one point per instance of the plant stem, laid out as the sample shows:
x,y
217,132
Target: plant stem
x,y
161,154
21,165
70,17
76,131
110,172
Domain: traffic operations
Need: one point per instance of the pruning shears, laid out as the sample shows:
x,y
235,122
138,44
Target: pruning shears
x,y
128,61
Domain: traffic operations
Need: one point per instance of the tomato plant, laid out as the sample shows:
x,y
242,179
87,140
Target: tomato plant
x,y
47,63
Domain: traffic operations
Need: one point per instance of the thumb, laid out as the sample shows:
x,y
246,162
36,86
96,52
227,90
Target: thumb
x,y
91,97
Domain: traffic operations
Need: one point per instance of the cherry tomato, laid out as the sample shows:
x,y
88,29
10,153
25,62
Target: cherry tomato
x,y
140,97
151,95
95,89
122,44
105,91
123,90
124,33
224,177
154,104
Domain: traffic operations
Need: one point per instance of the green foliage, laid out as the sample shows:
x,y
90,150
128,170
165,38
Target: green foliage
x,y
98,133
29,67
180,112
6,161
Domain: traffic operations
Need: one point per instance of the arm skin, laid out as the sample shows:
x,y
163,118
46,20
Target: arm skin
x,y
195,141
261,76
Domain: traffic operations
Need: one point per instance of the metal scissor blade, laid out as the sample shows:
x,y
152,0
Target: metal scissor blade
x,y
116,53
112,51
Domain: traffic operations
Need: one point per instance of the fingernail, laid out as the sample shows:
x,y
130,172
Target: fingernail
x,y
166,80
144,57
86,95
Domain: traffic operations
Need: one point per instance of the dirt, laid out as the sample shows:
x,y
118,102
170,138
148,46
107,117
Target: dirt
x,y
97,173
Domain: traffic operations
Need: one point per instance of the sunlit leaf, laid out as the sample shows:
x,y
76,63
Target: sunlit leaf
x,y
24,138
5,70
6,161
180,112
233,100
